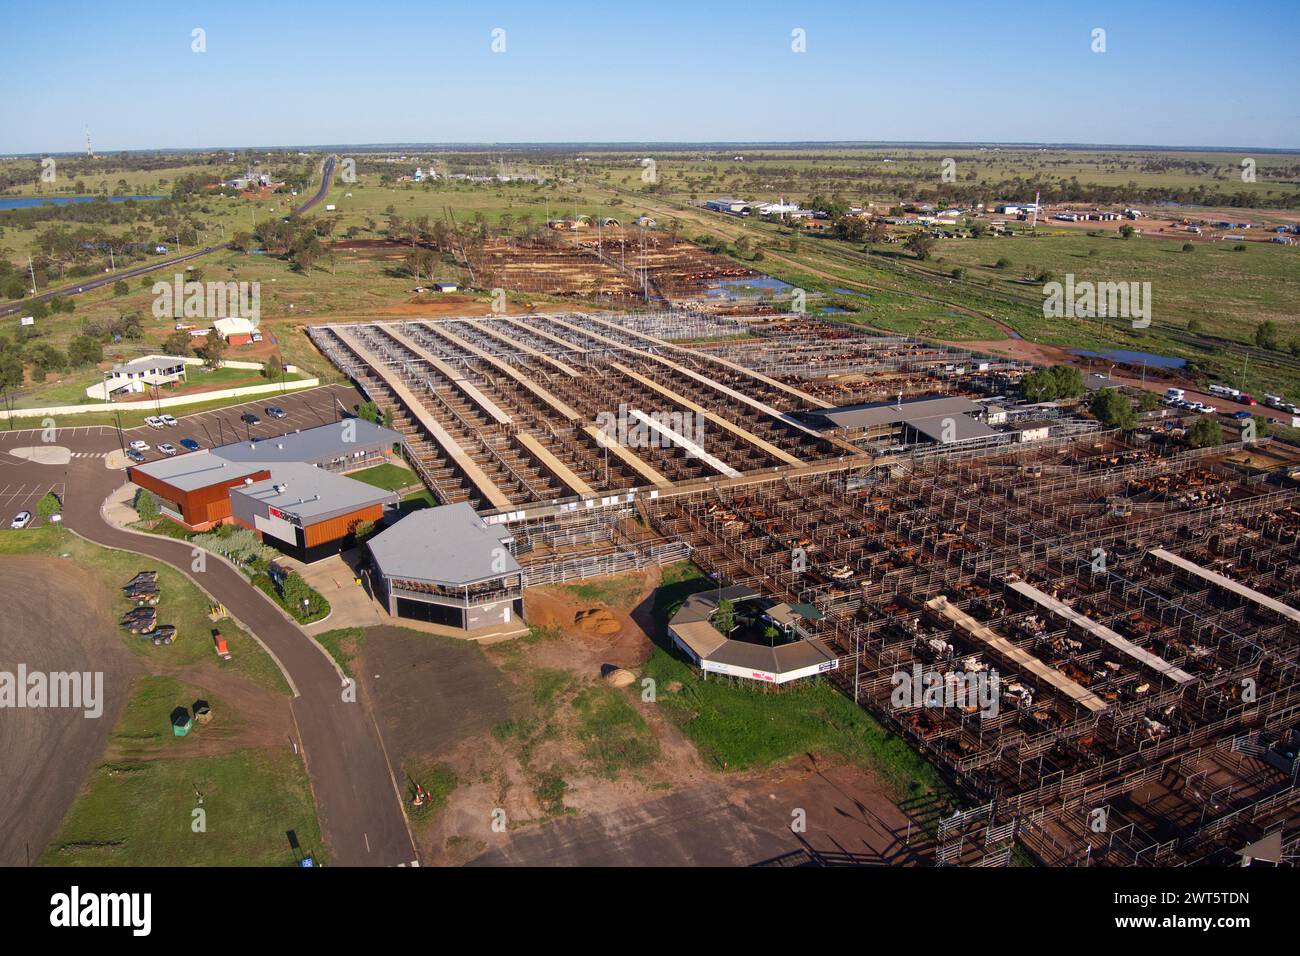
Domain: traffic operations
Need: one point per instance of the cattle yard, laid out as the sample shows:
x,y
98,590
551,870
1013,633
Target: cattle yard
x,y
1134,598
610,264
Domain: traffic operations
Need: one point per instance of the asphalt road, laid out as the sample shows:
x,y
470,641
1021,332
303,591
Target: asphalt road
x,y
359,807
327,175
97,282
85,285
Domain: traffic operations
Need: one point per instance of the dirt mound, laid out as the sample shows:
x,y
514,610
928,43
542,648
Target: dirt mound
x,y
619,677
597,620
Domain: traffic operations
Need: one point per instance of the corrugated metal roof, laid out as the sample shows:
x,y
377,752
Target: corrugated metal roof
x,y
446,545
312,493
872,414
951,428
196,470
322,443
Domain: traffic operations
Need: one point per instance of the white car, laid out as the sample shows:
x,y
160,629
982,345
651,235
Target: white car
x,y
139,445
168,420
167,448
21,520
153,421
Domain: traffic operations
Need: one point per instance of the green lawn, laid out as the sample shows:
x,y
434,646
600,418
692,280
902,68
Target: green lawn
x,y
141,812
620,591
614,736
182,604
342,643
438,781
737,728
388,476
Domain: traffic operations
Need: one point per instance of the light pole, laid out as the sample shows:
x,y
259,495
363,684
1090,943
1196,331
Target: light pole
x,y
857,656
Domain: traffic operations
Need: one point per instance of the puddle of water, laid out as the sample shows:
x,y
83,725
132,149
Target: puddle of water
x,y
1131,357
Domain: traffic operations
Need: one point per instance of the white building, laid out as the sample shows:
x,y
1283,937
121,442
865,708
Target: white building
x,y
129,378
236,327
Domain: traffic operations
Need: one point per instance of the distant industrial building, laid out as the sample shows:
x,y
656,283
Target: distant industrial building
x,y
237,330
728,204
943,419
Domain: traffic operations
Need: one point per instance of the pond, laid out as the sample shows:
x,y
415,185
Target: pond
x,y
27,202
746,288
1131,357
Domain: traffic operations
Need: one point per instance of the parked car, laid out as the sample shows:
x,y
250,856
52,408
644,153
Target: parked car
x,y
1242,416
153,421
167,448
250,418
189,444
21,520
134,455
168,420
275,411
139,445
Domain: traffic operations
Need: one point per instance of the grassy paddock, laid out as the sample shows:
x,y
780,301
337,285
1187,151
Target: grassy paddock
x,y
182,604
615,738
141,812
737,728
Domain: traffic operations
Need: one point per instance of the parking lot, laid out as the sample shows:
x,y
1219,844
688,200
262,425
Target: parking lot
x,y
222,426
24,481
16,496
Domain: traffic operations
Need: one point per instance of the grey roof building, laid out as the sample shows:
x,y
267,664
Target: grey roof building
x,y
307,512
338,446
943,419
874,414
196,470
304,494
447,566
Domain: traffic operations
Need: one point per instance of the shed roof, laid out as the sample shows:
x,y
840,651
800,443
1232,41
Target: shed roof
x,y
196,470
951,428
149,363
312,494
322,443
871,414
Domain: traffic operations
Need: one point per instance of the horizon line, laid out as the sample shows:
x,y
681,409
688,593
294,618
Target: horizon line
x,y
674,144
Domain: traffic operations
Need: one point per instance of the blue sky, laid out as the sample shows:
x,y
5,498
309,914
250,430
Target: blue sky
x,y
1190,73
